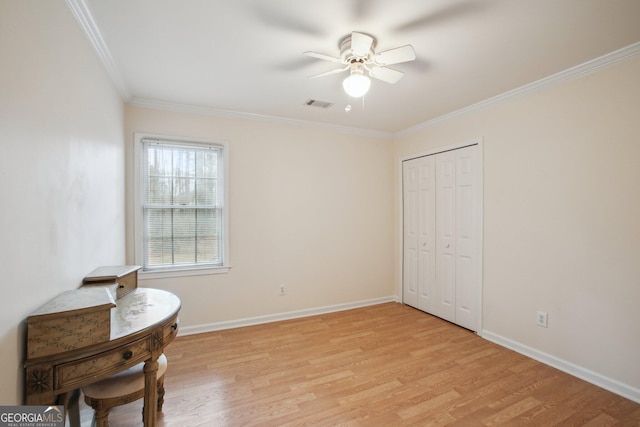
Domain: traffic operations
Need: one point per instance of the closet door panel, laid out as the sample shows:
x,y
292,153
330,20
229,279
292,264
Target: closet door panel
x,y
410,232
467,239
426,232
445,236
465,292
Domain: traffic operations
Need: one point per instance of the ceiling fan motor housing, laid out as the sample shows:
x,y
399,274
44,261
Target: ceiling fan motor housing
x,y
347,54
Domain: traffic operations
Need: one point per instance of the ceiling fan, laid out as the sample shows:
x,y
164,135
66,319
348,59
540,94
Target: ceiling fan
x,y
357,55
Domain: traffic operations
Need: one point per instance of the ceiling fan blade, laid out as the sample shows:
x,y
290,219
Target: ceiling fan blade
x,y
323,57
328,73
388,75
360,44
395,56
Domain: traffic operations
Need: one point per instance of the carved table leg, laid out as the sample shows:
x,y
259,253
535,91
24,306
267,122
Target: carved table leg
x,y
149,412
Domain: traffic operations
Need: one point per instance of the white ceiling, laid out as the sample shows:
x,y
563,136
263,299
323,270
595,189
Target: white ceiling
x,y
246,56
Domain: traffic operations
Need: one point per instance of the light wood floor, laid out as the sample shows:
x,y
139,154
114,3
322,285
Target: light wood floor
x,y
385,365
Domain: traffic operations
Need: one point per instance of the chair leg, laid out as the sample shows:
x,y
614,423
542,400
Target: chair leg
x,y
101,418
160,393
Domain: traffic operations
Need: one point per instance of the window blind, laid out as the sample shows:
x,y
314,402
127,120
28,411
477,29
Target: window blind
x,y
182,204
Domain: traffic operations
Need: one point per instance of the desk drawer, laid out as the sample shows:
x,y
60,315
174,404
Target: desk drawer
x,y
127,283
170,330
102,365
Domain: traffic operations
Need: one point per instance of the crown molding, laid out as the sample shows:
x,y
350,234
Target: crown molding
x,y
228,114
588,67
83,15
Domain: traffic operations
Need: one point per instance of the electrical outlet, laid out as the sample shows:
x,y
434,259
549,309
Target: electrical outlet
x,y
282,290
541,318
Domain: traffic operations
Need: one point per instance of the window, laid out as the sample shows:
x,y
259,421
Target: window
x,y
181,218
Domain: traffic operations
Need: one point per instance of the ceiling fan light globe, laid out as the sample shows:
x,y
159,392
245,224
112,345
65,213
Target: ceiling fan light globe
x,y
356,85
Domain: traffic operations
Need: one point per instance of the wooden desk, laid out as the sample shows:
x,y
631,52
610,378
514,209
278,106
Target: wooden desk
x,y
142,324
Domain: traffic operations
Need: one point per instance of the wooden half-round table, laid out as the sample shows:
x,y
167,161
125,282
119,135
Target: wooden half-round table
x,y
75,351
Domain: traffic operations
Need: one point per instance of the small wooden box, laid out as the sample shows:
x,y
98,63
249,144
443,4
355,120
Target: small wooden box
x,y
124,276
74,319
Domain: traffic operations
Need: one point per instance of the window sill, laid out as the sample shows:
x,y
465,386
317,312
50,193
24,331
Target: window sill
x,y
183,273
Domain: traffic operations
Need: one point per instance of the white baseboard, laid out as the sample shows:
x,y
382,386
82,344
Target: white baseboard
x,y
602,381
238,323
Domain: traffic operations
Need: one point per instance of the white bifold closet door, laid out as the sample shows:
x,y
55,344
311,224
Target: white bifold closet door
x,y
441,235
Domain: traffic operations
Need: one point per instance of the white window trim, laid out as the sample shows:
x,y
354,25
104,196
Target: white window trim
x,y
137,207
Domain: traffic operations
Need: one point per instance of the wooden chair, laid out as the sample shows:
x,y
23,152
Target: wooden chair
x,y
120,389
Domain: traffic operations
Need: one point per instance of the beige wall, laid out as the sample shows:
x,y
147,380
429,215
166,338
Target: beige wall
x,y
310,209
561,217
62,173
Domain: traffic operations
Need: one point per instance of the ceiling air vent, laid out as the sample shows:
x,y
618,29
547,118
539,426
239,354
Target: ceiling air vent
x,y
319,104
